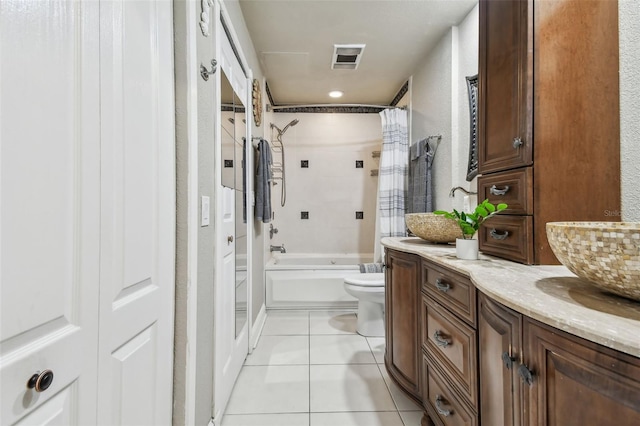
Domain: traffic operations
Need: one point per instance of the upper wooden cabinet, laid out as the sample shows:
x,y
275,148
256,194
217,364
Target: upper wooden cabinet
x,y
548,107
504,86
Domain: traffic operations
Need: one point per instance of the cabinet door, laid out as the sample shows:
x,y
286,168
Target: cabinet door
x,y
578,383
402,319
500,330
505,82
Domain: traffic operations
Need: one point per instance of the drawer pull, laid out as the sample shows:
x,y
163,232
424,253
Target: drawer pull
x,y
443,287
517,143
439,408
507,360
440,341
525,374
498,236
495,191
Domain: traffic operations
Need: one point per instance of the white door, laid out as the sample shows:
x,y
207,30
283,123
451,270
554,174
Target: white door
x,y
49,211
138,208
231,345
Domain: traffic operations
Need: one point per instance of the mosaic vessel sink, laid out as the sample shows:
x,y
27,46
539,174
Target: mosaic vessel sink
x,y
432,227
607,254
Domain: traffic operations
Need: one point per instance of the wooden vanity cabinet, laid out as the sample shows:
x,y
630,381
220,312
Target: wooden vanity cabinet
x,y
500,347
573,382
450,347
577,382
402,320
548,119
471,361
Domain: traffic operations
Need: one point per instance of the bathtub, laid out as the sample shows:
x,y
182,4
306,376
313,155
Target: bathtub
x,y
311,281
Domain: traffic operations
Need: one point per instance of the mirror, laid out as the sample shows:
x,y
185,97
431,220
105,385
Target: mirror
x,y
234,129
472,164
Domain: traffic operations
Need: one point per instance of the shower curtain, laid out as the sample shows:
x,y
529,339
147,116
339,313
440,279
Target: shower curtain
x,y
392,181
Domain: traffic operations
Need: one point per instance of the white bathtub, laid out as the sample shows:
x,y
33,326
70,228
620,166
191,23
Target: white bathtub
x,y
304,281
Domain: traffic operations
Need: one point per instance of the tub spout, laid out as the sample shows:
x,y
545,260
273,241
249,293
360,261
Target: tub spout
x,y
452,193
279,248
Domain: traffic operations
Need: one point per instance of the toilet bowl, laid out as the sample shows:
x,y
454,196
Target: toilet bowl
x,y
369,290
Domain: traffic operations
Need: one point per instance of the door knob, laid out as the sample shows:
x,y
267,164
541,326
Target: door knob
x,y
41,381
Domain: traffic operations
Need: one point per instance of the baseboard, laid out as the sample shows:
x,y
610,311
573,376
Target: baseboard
x,y
256,330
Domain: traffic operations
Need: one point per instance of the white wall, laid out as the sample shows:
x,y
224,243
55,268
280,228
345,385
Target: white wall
x,y
332,189
629,25
440,106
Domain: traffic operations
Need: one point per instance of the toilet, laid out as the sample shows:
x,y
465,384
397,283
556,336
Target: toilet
x,y
369,290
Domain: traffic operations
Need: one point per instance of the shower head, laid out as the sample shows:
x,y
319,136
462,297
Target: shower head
x,y
291,124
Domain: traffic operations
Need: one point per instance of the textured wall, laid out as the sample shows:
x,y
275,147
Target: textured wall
x,y
467,66
431,113
629,21
439,105
331,189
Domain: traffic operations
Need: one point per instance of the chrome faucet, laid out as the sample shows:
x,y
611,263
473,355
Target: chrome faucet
x,y
453,191
272,231
279,248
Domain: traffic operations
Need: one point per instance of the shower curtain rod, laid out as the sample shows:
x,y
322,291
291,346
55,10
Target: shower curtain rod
x,y
270,107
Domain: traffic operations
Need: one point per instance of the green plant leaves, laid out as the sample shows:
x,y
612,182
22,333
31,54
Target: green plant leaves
x,y
469,223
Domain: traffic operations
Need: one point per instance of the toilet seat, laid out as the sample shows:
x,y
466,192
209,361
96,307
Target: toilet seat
x,y
365,280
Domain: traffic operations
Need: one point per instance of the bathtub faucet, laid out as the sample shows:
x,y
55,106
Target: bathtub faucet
x,y
279,248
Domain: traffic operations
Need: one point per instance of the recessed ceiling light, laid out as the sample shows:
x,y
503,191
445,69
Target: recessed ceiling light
x,y
336,94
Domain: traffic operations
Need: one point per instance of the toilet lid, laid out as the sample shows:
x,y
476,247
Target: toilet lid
x,y
366,280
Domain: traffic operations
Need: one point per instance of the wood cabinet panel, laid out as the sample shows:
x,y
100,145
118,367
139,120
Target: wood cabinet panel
x,y
500,343
452,290
402,315
577,382
504,85
445,408
453,344
508,236
514,187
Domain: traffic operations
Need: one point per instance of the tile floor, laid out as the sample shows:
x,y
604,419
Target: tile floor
x,y
311,368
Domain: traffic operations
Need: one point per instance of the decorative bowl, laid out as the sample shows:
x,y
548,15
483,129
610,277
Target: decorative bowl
x,y
433,227
607,254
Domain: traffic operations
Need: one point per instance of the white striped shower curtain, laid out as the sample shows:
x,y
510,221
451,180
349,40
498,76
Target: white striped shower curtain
x,y
393,175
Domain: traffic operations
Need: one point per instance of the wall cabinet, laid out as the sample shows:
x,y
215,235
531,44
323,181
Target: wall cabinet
x,y
402,290
481,363
548,114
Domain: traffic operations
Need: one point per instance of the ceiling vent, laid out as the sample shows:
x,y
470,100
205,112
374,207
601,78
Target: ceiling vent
x,y
346,56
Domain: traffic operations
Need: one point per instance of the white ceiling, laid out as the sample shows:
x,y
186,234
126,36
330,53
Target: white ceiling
x,y
294,41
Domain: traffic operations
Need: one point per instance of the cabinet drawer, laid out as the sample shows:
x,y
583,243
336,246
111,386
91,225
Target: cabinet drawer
x,y
444,407
453,344
514,187
510,237
453,291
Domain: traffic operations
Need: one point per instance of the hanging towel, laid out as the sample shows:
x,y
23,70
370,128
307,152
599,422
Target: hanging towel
x,y
420,182
263,182
370,268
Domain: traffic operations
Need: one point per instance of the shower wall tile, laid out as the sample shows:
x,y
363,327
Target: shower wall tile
x,y
333,189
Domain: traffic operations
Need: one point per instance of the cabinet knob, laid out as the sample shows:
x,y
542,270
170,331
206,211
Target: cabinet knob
x,y
439,409
525,374
229,239
498,236
440,341
40,382
517,143
442,286
495,191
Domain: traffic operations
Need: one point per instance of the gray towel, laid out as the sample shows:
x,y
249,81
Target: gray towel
x,y
263,182
420,191
370,268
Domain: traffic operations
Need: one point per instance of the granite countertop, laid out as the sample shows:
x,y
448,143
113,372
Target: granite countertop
x,y
550,294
